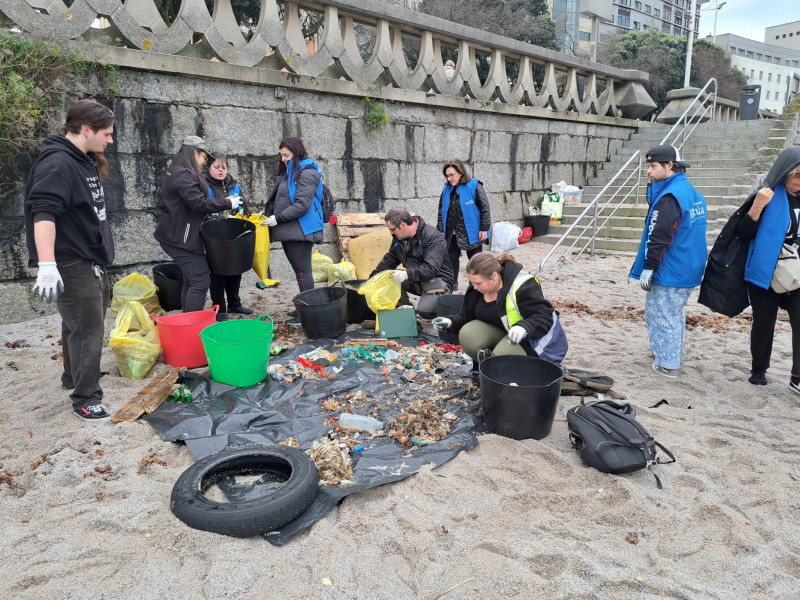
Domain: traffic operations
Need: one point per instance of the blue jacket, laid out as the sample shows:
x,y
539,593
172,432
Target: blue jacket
x,y
684,261
766,246
469,210
310,222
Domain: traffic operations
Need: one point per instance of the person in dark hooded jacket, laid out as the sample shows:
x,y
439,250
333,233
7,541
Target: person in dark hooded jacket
x,y
183,204
772,221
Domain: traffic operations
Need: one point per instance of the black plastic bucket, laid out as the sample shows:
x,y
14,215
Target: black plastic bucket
x,y
527,409
230,245
539,224
322,311
357,309
449,304
169,283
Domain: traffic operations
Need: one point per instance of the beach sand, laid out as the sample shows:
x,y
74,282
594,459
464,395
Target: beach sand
x,y
508,519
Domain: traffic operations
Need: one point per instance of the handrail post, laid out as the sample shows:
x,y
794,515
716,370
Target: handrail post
x,y
638,183
594,226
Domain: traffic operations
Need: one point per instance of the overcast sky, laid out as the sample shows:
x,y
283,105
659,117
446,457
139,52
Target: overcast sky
x,y
747,18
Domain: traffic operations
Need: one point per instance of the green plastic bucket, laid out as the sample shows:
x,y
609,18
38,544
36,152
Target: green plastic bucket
x,y
238,351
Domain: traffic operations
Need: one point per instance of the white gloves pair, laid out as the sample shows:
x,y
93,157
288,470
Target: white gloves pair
x,y
48,283
400,276
646,279
271,221
442,323
516,334
236,202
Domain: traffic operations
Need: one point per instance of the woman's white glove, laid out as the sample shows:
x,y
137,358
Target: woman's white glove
x,y
442,323
271,221
400,276
516,334
236,202
646,279
48,282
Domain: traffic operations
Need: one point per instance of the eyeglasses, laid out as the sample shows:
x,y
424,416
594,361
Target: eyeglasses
x,y
391,229
795,173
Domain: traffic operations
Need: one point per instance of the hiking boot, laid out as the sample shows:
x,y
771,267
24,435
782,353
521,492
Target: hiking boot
x,y
294,321
95,412
671,373
758,377
222,317
241,310
292,314
795,387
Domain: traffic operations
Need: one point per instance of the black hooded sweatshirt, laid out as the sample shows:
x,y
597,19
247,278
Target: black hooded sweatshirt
x,y
64,188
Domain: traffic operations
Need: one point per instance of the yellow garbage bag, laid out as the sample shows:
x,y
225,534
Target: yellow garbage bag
x,y
135,340
341,271
136,287
381,291
319,266
261,255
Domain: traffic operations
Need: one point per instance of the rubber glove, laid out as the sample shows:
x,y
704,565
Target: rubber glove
x,y
271,221
236,202
442,323
516,334
646,279
399,276
48,282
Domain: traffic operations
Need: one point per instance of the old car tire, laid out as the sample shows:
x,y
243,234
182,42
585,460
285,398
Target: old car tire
x,y
248,518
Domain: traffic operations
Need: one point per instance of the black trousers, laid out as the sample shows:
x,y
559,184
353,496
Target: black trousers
x,y
299,256
82,307
765,305
196,278
454,252
222,285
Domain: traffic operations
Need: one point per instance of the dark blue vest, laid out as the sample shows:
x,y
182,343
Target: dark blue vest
x,y
472,216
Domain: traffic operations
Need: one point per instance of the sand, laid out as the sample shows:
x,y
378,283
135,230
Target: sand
x,y
508,519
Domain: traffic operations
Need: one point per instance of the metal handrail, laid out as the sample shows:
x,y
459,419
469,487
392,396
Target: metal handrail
x,y
700,111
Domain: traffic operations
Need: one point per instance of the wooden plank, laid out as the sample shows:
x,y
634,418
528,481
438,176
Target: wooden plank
x,y
149,398
361,219
351,232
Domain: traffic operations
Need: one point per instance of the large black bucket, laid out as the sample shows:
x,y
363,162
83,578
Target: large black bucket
x,y
527,409
448,305
357,309
230,245
539,224
169,283
322,311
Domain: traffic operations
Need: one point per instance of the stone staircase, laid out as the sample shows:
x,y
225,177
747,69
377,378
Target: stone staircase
x,y
728,160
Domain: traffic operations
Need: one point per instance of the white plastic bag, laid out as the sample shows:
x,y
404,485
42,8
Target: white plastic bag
x,y
505,236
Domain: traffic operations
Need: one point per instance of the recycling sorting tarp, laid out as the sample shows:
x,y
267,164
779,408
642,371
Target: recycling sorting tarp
x,y
282,407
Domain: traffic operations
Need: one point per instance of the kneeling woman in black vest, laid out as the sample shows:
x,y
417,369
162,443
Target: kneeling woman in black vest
x,y
506,312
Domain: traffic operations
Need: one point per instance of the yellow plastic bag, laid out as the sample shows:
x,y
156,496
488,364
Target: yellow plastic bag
x,y
135,341
136,287
261,255
319,266
341,271
381,291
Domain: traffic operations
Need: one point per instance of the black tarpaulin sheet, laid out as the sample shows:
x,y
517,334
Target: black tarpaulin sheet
x,y
222,416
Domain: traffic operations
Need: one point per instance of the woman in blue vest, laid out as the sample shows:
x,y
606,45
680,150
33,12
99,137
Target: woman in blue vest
x,y
295,209
464,216
506,312
772,220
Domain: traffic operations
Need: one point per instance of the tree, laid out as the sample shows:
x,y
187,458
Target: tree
x,y
710,60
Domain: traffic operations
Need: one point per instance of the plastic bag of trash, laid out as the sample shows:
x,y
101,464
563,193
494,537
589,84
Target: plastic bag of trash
x,y
319,266
135,341
136,287
341,271
381,291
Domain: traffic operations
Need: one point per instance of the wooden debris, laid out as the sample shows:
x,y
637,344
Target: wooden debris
x,y
150,459
149,398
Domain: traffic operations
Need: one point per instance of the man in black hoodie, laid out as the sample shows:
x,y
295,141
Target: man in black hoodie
x,y
69,240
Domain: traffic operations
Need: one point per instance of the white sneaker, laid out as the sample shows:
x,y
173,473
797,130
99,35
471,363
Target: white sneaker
x,y
673,373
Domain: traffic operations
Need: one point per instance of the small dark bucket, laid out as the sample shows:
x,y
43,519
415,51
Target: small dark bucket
x,y
527,409
169,283
540,224
449,304
357,309
230,245
322,311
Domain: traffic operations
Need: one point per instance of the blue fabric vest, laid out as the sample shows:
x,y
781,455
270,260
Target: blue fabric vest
x,y
472,216
765,248
234,191
311,222
684,262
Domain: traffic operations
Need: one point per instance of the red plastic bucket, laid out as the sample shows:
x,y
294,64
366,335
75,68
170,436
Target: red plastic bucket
x,y
180,337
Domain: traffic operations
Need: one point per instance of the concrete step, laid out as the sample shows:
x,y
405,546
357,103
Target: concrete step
x,y
702,177
707,190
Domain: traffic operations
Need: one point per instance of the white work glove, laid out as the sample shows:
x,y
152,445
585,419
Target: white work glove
x,y
442,323
48,282
271,221
516,334
646,279
236,202
399,276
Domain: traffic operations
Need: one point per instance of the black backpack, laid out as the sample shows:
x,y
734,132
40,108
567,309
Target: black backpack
x,y
328,203
610,439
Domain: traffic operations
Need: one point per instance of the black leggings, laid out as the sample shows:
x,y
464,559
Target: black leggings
x,y
222,285
454,253
765,305
299,256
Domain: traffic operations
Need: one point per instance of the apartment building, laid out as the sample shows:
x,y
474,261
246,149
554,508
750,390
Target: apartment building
x,y
785,36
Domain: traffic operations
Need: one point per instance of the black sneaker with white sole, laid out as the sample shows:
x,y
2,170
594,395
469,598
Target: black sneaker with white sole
x,y
95,412
795,387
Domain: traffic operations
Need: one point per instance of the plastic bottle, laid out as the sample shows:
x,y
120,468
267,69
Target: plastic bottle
x,y
360,422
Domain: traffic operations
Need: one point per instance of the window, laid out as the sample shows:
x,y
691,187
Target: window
x,y
584,36
758,57
657,12
749,54
624,16
752,75
769,76
744,71
665,27
761,75
768,59
647,8
777,37
645,27
677,30
791,34
678,18
637,25
741,52
637,5
767,95
779,78
796,63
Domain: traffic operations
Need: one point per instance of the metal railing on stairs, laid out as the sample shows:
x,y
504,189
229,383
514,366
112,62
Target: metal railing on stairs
x,y
701,109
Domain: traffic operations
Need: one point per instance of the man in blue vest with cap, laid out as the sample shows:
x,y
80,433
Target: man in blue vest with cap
x,y
672,255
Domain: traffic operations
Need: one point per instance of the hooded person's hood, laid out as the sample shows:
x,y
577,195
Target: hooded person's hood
x,y
786,161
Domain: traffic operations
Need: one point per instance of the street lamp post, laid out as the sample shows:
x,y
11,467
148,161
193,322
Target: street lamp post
x,y
689,45
716,10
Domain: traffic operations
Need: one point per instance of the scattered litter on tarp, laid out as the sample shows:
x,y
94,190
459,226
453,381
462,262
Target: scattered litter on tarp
x,y
429,419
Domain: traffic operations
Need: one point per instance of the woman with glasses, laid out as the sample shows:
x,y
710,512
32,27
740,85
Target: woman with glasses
x,y
772,221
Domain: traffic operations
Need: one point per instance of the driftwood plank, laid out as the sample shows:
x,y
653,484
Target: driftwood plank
x,y
149,398
361,219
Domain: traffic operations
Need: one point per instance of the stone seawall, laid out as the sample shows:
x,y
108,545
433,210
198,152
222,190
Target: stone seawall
x,y
517,152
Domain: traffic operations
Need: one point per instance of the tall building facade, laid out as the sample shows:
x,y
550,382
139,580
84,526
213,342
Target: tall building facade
x,y
668,16
785,36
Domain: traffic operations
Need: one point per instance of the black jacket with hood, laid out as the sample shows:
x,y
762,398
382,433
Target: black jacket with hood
x,y
64,188
424,256
183,204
